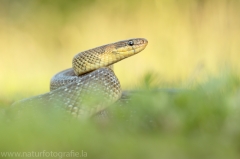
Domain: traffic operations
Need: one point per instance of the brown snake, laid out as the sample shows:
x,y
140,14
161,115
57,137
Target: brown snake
x,y
90,77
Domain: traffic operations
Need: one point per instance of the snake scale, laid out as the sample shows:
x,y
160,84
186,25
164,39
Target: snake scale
x,y
90,85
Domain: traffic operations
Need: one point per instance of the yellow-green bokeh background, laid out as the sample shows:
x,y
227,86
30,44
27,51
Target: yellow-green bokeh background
x,y
38,38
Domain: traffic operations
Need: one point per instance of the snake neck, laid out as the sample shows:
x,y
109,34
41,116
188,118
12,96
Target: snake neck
x,y
106,55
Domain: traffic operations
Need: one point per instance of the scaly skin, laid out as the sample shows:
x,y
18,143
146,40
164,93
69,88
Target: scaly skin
x,y
106,55
89,78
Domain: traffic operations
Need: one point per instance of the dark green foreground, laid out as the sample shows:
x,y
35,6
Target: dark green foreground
x,y
200,122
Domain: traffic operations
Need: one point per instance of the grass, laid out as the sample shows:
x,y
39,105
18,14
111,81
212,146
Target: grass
x,y
201,122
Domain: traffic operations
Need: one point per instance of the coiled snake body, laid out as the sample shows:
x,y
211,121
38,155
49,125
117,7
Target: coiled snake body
x,y
90,85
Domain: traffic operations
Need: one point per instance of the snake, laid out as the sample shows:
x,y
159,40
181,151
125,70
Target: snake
x,y
91,85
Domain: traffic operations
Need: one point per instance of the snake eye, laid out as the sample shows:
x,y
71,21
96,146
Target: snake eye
x,y
130,43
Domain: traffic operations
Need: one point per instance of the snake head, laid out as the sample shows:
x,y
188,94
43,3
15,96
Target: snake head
x,y
129,47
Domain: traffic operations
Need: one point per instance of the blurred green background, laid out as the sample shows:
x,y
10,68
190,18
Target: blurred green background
x,y
187,39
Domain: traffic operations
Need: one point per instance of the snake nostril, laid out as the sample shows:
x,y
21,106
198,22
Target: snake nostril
x,y
145,41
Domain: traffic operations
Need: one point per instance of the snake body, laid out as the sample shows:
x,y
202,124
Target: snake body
x,y
90,85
